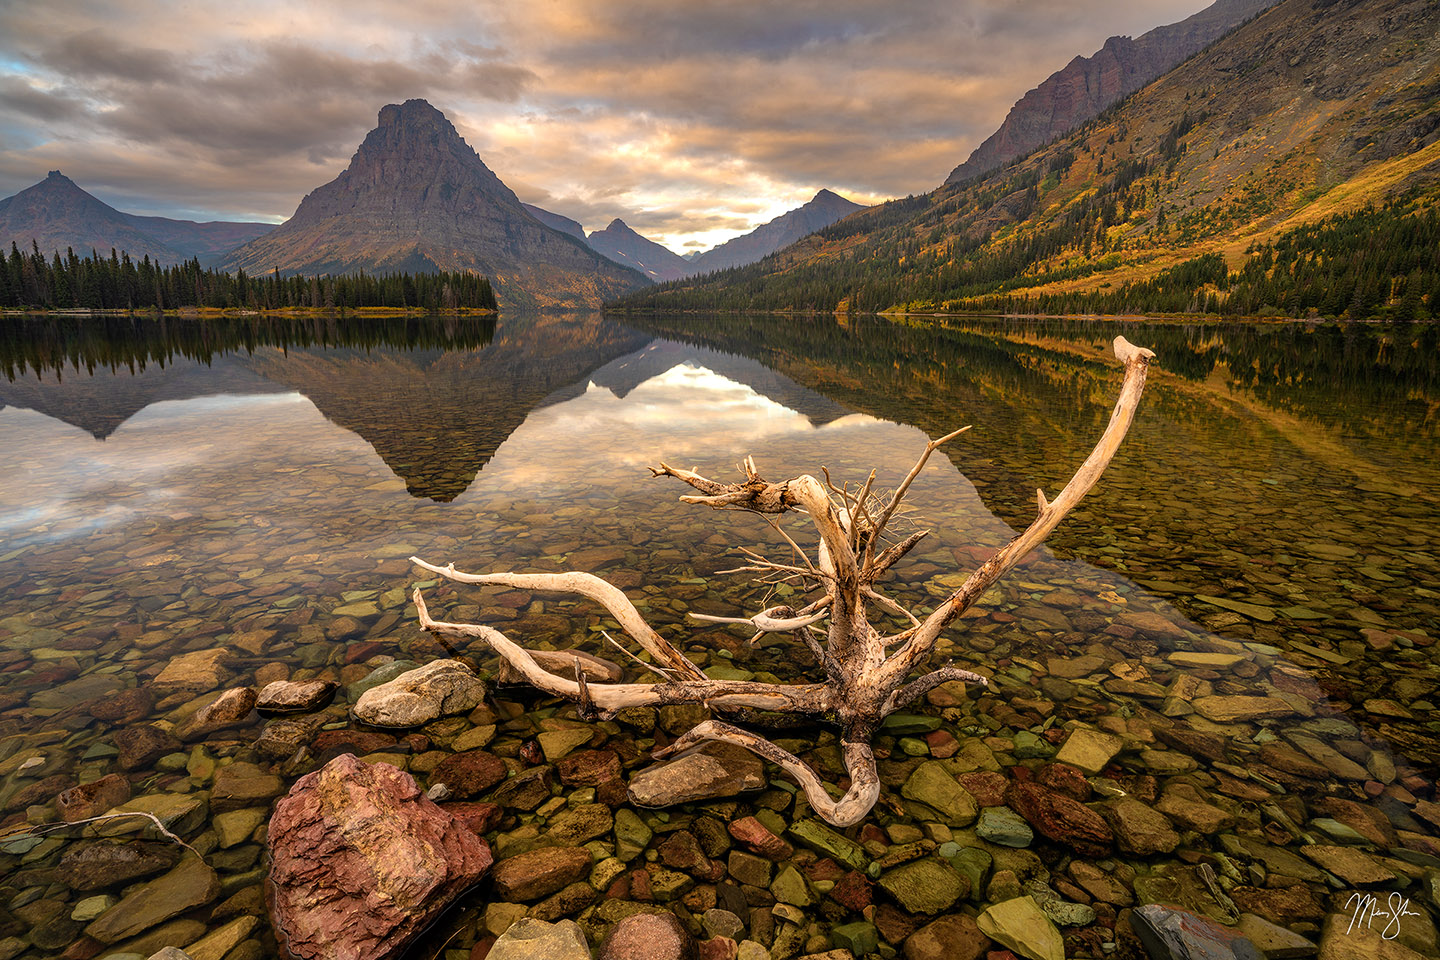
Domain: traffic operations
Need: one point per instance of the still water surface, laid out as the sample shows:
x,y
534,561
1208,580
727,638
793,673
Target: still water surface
x,y
1269,530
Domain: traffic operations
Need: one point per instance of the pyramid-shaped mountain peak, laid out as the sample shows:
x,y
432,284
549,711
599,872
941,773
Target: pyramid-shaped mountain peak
x,y
416,197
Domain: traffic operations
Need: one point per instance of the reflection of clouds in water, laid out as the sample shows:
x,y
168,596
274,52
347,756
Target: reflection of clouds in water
x,y
686,412
64,482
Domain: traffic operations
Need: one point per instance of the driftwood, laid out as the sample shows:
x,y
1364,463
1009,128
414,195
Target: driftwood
x,y
868,674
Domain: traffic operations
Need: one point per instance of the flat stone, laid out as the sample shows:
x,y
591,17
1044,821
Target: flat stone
x,y
91,799
933,785
179,813
539,873
924,886
1139,828
216,944
1350,865
441,688
1020,925
232,708
1061,818
237,826
199,670
1274,941
532,939
1204,660
241,784
1090,750
560,743
706,775
142,744
1004,826
954,937
1252,610
819,837
191,884
470,774
1229,709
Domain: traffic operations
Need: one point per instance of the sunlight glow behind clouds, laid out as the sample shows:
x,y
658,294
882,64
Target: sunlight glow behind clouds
x,y
690,121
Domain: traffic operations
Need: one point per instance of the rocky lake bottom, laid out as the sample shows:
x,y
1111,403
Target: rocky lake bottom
x,y
1211,707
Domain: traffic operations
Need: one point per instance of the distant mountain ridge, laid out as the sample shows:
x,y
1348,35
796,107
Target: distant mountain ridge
x,y
58,215
822,210
1087,85
623,245
417,198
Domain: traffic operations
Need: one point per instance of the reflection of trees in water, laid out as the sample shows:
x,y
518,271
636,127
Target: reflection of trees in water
x,y
51,344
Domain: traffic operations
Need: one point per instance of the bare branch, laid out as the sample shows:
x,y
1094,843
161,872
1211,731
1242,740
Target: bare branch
x,y
904,488
892,555
587,585
914,690
1137,364
850,809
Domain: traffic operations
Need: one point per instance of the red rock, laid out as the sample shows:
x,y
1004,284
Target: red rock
x,y
360,652
1063,778
469,774
682,851
232,708
955,937
39,791
649,936
358,741
1285,906
757,838
93,798
894,924
362,862
1061,819
478,815
539,873
588,768
986,786
942,744
854,891
718,948
143,744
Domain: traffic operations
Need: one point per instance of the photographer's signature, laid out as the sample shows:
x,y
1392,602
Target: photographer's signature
x,y
1367,910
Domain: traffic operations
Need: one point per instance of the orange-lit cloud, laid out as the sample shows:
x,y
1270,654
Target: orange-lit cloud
x,y
694,122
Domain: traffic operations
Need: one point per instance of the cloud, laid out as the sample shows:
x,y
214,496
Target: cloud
x,y
693,122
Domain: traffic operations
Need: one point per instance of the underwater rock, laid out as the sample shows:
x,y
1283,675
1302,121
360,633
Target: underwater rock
x,y
416,697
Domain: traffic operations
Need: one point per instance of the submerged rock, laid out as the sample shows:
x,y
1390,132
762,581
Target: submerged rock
x,y
715,772
1020,925
231,709
295,696
363,862
416,697
648,936
190,885
1170,934
531,939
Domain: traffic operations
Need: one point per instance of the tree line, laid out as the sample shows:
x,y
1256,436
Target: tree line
x,y
29,280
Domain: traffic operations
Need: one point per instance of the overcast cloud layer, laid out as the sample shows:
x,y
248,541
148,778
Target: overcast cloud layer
x,y
693,121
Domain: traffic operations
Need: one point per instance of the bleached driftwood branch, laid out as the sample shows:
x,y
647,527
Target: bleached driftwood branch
x,y
868,674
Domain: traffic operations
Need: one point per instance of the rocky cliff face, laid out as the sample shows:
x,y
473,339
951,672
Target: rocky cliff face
x,y
56,214
416,197
1088,85
556,222
822,210
625,246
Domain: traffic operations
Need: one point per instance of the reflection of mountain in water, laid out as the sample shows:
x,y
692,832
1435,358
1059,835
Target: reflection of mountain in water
x,y
99,402
436,418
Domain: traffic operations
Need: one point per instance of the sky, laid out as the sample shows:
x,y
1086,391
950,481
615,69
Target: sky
x,y
693,121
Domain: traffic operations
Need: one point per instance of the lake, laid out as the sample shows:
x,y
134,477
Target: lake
x,y
1241,617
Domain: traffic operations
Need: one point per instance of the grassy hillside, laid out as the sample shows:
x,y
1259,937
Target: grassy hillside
x,y
1314,124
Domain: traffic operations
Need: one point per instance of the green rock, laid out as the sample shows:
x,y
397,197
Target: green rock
x,y
818,837
181,814
191,884
973,864
1021,926
91,907
790,887
631,835
1028,746
913,747
237,826
909,724
1004,826
1090,750
924,886
859,937
381,674
932,785
561,743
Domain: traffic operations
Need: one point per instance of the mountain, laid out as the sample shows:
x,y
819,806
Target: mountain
x,y
1087,85
416,197
58,215
823,209
556,222
1290,169
625,246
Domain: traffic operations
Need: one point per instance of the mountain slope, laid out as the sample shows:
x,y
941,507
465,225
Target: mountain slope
x,y
625,246
416,197
1087,85
58,215
556,222
822,210
1309,111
